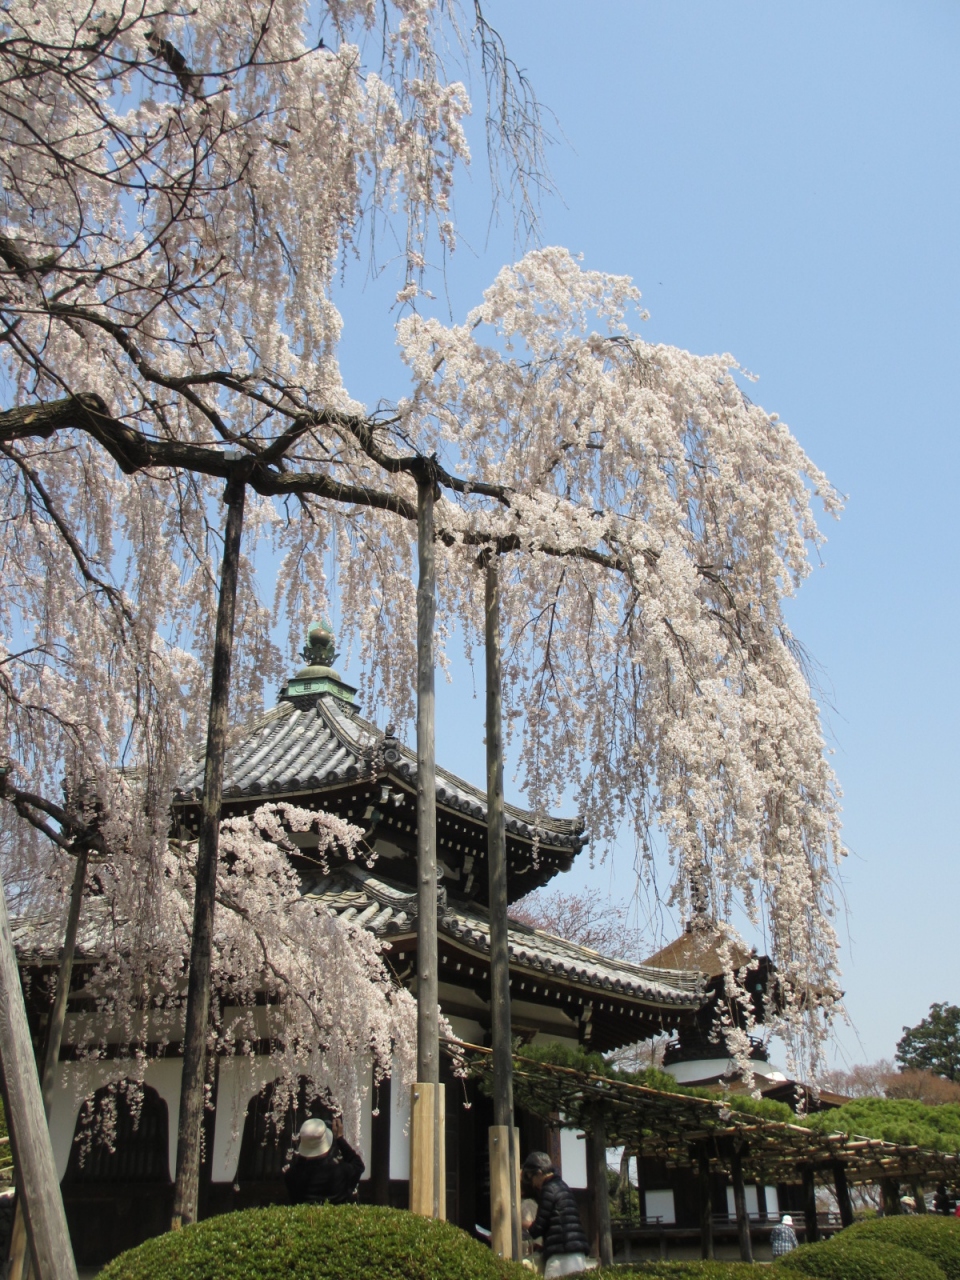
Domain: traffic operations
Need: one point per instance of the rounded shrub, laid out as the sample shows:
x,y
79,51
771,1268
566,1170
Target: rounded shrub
x,y
657,1270
313,1242
933,1235
846,1258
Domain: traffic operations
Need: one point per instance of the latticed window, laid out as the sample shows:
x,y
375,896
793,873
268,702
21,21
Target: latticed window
x,y
267,1142
121,1136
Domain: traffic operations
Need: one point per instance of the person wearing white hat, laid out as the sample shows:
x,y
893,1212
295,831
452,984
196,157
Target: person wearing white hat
x,y
783,1238
325,1168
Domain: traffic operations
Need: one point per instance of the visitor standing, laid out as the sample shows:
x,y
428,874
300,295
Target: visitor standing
x,y
783,1238
558,1219
325,1169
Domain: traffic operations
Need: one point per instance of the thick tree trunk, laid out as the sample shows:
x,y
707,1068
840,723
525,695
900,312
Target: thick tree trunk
x,y
187,1187
37,1179
428,1137
507,1213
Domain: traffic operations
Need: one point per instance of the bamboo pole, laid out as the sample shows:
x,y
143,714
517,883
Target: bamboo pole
x,y
37,1180
186,1191
504,1207
427,1138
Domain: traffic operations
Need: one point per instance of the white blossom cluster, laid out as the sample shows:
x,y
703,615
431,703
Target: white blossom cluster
x,y
296,991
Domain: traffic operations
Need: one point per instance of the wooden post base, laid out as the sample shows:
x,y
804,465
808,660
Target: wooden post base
x,y
504,1192
428,1165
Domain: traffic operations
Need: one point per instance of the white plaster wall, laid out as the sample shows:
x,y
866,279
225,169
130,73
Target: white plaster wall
x,y
78,1080
573,1158
363,1138
399,1131
659,1204
240,1078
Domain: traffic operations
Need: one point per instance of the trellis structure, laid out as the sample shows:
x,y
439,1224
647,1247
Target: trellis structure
x,y
707,1134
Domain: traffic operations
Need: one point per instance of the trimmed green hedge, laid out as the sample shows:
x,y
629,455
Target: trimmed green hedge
x,y
902,1120
311,1242
933,1235
848,1258
666,1270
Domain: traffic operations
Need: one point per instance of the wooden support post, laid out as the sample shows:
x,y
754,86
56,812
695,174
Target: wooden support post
x,y
842,1190
429,1202
199,982
706,1202
59,1010
37,1180
19,1253
890,1193
740,1203
599,1190
810,1206
504,1189
505,1216
917,1189
428,1174
762,1212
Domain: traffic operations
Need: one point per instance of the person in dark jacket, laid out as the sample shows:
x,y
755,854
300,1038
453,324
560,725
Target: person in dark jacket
x,y
325,1169
557,1221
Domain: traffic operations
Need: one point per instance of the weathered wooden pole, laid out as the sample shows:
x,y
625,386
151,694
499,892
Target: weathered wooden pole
x,y
890,1197
59,1011
810,1207
199,982
19,1253
599,1187
919,1201
740,1204
504,1206
427,1192
842,1189
706,1201
37,1179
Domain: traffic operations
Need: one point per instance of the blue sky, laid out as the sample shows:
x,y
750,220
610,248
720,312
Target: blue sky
x,y
783,183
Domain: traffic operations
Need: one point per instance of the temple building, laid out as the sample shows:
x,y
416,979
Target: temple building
x,y
316,750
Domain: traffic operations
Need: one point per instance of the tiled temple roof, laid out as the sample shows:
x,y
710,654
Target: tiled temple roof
x,y
389,910
307,744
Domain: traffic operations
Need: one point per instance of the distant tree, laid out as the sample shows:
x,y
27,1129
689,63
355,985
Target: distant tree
x,y
934,1043
881,1079
588,918
923,1086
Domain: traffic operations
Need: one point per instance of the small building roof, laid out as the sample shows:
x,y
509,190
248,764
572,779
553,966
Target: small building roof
x,y
390,910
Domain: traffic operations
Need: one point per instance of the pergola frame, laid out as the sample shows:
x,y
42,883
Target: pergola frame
x,y
708,1135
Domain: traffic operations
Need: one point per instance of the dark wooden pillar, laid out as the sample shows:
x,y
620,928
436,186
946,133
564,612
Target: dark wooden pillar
x,y
810,1206
843,1194
380,1145
740,1202
890,1191
706,1202
917,1189
762,1211
599,1191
